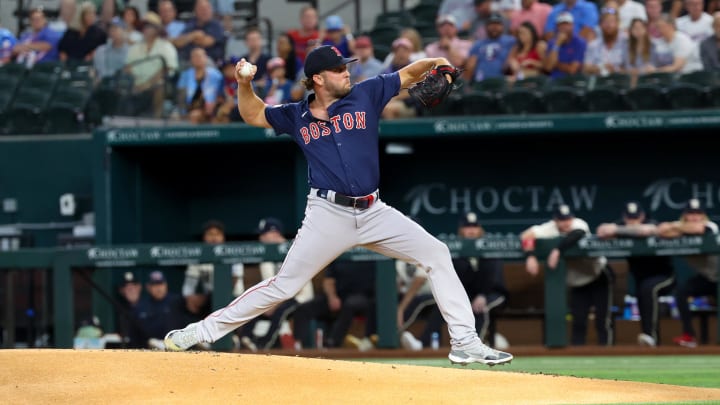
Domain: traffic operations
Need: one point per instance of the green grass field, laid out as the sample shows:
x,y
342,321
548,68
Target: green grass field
x,y
690,370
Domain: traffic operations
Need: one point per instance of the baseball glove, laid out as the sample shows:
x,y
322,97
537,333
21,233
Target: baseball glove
x,y
435,88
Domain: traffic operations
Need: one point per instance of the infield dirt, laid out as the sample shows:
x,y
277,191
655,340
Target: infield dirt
x,y
125,376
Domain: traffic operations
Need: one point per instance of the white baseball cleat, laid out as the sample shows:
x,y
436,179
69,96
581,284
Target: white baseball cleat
x,y
644,339
478,352
409,342
179,340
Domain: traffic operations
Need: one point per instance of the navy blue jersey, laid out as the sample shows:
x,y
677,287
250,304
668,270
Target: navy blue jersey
x,y
342,153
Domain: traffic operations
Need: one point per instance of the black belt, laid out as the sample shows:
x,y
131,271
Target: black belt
x,y
354,202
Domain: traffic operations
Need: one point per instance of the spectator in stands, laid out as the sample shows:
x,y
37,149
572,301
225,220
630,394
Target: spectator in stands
x,y
278,89
589,278
630,10
132,25
112,56
338,34
270,231
653,275
584,14
653,9
608,53
7,42
153,61
710,48
567,50
285,49
200,87
256,55
66,13
694,221
483,281
348,291
483,12
417,45
488,56
527,56
224,10
532,11
462,11
228,111
157,313
39,44
449,45
198,284
367,65
202,31
642,57
129,290
697,24
713,7
79,42
402,105
677,52
168,15
307,36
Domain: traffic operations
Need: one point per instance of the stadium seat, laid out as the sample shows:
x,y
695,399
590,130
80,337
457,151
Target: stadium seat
x,y
662,79
396,18
46,80
576,81
685,96
111,92
25,115
532,83
50,68
384,34
619,81
491,84
66,109
604,98
520,101
449,107
13,69
425,11
563,99
703,78
381,51
479,103
427,30
9,85
646,97
713,96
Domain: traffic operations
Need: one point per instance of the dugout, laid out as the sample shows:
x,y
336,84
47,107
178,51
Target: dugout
x,y
157,185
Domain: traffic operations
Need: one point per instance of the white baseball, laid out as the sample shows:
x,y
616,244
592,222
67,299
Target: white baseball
x,y
246,70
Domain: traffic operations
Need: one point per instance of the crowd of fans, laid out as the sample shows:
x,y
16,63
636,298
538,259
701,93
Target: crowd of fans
x,y
489,39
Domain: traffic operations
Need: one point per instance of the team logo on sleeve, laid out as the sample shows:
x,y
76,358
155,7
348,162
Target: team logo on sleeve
x,y
338,123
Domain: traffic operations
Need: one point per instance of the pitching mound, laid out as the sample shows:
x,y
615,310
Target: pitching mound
x,y
118,376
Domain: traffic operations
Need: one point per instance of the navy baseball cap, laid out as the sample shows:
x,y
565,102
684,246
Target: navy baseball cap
x,y
324,58
270,224
156,277
469,219
563,211
693,206
632,210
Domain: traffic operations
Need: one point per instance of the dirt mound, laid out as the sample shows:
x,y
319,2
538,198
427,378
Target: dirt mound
x,y
126,376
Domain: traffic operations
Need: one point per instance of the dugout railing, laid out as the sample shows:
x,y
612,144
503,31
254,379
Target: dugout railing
x,y
62,262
